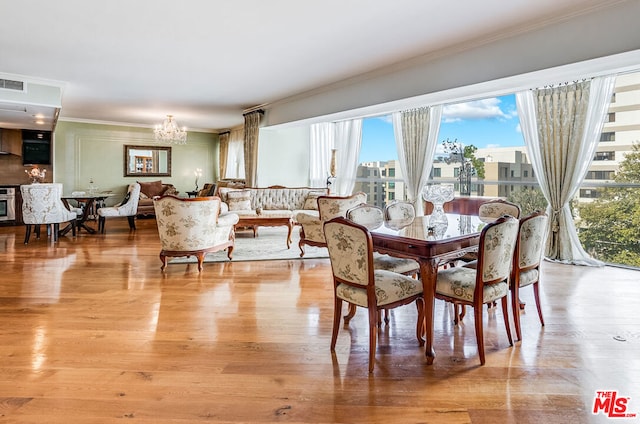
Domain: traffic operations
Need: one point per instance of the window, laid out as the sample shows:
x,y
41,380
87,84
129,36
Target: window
x,y
513,173
589,193
611,117
392,185
600,175
392,172
437,173
392,195
604,156
526,173
608,136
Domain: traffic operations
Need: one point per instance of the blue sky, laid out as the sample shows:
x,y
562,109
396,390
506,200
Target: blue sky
x,y
491,122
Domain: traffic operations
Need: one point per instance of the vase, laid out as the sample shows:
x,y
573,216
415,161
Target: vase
x,y
438,195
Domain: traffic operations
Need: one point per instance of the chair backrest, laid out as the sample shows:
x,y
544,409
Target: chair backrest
x,y
330,207
187,224
42,204
496,248
130,206
207,190
494,209
531,237
369,216
400,210
350,251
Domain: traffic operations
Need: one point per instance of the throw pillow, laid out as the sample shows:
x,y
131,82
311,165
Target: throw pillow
x,y
152,188
126,198
311,202
239,200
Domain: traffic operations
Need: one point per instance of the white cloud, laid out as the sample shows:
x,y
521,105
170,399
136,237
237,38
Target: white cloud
x,y
478,109
518,128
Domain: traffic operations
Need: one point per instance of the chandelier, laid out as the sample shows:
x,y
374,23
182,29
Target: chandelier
x,y
169,132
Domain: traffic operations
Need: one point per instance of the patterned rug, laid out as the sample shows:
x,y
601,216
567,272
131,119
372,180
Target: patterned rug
x,y
269,245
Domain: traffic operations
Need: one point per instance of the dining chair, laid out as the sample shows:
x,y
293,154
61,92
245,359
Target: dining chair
x,y
329,207
193,227
358,283
488,282
128,207
493,209
397,210
525,270
372,217
42,205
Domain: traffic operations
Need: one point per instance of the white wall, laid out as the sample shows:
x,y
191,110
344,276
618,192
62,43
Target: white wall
x,y
595,43
283,157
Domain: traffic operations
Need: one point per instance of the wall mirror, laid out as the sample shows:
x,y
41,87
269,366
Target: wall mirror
x,y
152,161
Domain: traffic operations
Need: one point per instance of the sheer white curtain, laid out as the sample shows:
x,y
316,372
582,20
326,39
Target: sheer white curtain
x,y
416,134
561,128
321,143
348,139
235,154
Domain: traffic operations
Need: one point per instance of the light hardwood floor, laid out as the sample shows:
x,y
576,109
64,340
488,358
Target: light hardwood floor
x,y
94,332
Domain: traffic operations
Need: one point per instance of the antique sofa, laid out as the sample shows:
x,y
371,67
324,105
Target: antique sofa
x,y
270,206
150,189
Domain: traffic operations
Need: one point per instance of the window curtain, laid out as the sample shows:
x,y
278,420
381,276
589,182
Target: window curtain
x,y
251,132
416,134
235,155
223,153
347,142
321,143
561,127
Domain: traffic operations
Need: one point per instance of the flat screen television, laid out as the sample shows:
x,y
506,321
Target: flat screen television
x,y
36,147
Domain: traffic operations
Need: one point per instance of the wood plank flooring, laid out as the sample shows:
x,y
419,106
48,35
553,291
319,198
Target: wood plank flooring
x,y
93,332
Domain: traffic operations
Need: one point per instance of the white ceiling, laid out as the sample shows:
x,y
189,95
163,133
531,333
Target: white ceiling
x,y
206,61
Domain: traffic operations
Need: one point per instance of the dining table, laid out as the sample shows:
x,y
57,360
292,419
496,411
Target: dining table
x,y
431,246
90,203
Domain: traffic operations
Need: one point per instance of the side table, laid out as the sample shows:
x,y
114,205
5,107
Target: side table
x,y
192,193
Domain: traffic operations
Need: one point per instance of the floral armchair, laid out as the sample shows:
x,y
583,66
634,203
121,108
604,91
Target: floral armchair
x,y
127,208
329,207
489,211
193,227
42,205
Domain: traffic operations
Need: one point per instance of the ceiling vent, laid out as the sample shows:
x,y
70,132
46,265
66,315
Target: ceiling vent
x,y
12,84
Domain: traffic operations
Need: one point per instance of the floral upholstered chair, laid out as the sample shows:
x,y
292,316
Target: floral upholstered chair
x,y
358,283
128,207
398,211
42,205
525,270
493,209
486,283
372,217
329,207
193,227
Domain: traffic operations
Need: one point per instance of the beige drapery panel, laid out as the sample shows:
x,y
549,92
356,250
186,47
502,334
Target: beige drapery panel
x,y
223,153
416,134
251,131
561,127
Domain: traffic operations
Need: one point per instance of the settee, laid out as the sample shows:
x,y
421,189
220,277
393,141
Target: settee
x,y
270,206
150,189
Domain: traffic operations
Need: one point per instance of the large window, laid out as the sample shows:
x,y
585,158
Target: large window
x,y
492,126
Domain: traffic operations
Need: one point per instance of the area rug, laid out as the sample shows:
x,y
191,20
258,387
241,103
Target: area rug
x,y
269,245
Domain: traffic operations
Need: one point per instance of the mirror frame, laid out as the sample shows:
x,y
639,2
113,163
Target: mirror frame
x,y
131,173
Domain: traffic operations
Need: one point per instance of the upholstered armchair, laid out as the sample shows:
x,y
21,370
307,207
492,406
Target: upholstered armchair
x,y
488,282
193,227
358,283
329,207
525,270
42,205
128,207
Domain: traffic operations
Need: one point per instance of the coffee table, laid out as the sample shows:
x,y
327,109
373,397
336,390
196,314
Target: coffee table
x,y
266,221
